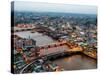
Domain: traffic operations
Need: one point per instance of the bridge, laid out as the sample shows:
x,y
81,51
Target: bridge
x,y
49,49
49,56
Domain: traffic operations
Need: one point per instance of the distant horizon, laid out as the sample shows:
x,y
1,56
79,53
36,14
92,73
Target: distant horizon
x,y
21,6
55,12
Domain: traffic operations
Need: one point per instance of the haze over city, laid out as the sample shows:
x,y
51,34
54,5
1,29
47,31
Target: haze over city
x,y
48,7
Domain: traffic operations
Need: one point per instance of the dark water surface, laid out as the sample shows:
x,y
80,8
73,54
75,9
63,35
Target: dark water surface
x,y
76,62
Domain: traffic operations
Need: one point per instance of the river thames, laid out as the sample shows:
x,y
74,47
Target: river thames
x,y
72,62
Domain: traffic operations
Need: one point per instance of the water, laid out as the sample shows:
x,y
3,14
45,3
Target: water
x,y
40,38
74,62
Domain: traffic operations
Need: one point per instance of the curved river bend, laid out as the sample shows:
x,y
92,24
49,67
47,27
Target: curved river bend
x,y
74,62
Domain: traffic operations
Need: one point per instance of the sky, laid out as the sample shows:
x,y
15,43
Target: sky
x,y
51,7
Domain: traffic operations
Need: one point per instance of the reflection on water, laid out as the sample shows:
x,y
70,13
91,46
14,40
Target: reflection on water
x,y
76,62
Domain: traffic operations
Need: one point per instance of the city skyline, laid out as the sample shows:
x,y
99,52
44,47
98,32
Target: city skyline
x,y
48,7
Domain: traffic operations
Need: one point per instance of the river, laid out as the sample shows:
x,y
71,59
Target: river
x,y
74,62
40,38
